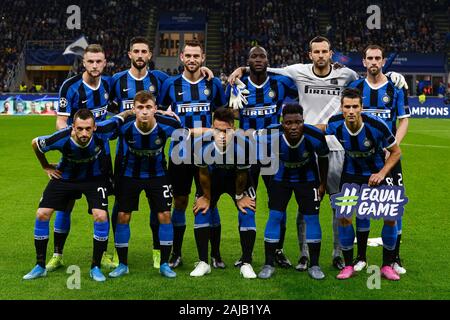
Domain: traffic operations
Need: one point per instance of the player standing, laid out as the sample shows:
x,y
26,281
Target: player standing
x,y
382,99
193,99
88,90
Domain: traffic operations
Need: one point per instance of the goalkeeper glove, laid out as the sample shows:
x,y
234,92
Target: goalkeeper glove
x,y
238,96
398,80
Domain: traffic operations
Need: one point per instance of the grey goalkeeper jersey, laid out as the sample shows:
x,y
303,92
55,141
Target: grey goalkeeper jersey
x,y
319,96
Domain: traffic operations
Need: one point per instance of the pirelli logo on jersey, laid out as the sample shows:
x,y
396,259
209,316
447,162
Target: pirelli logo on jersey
x,y
194,107
146,152
295,165
100,112
380,113
127,104
323,90
260,111
360,154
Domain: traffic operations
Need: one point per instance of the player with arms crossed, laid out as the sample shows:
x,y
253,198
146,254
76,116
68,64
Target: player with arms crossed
x,y
382,99
193,99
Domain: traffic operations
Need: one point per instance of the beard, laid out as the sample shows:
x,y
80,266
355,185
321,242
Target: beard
x,y
137,66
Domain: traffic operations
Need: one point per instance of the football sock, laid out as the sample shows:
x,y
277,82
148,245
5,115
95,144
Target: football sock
x,y
347,237
269,249
362,235
165,240
101,231
247,244
389,236
121,238
41,233
215,240
202,240
314,253
179,228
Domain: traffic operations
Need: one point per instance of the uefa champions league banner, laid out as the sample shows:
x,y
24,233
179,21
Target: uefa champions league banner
x,y
429,107
28,104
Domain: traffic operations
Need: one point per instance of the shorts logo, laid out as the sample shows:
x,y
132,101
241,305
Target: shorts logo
x,y
271,94
63,103
207,92
386,99
367,143
152,88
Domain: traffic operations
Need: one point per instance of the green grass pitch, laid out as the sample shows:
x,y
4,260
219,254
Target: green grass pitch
x,y
426,153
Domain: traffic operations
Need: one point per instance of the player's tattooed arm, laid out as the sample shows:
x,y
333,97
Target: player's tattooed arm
x,y
394,156
50,169
61,122
243,201
125,114
168,113
202,203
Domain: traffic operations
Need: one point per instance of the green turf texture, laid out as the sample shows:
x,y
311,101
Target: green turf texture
x,y
425,253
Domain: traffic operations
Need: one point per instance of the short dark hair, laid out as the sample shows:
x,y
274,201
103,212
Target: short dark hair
x,y
319,39
373,47
292,108
83,114
224,114
94,48
143,96
351,93
140,39
192,43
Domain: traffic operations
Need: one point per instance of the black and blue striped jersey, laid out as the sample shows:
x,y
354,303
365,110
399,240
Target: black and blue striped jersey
x,y
387,102
143,152
125,86
75,94
193,102
219,161
265,101
79,163
364,153
297,163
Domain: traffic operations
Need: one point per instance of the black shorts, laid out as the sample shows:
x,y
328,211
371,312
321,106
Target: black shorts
x,y
306,195
255,171
221,185
181,176
396,178
157,189
347,178
59,193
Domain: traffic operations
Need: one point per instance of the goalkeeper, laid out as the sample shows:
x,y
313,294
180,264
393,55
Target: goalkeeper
x,y
258,100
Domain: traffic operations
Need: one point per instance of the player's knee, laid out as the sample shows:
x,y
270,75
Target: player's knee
x,y
123,218
164,217
272,232
362,225
345,222
247,220
99,215
181,202
43,214
390,223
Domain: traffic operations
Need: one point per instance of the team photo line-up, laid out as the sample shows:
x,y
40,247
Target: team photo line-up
x,y
321,124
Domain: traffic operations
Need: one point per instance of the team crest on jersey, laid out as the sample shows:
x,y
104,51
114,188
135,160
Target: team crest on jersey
x,y
106,95
386,98
63,103
158,141
152,88
367,143
207,92
271,94
305,154
334,81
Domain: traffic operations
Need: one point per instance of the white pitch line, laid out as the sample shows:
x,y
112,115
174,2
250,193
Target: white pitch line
x,y
424,145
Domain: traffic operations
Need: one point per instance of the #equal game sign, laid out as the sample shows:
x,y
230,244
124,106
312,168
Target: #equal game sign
x,y
382,202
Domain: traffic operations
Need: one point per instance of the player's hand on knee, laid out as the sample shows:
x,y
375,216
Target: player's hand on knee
x,y
52,172
201,205
246,202
207,73
375,179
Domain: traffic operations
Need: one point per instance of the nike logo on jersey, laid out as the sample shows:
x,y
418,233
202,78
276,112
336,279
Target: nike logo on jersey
x,y
317,208
85,101
180,93
104,204
125,90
